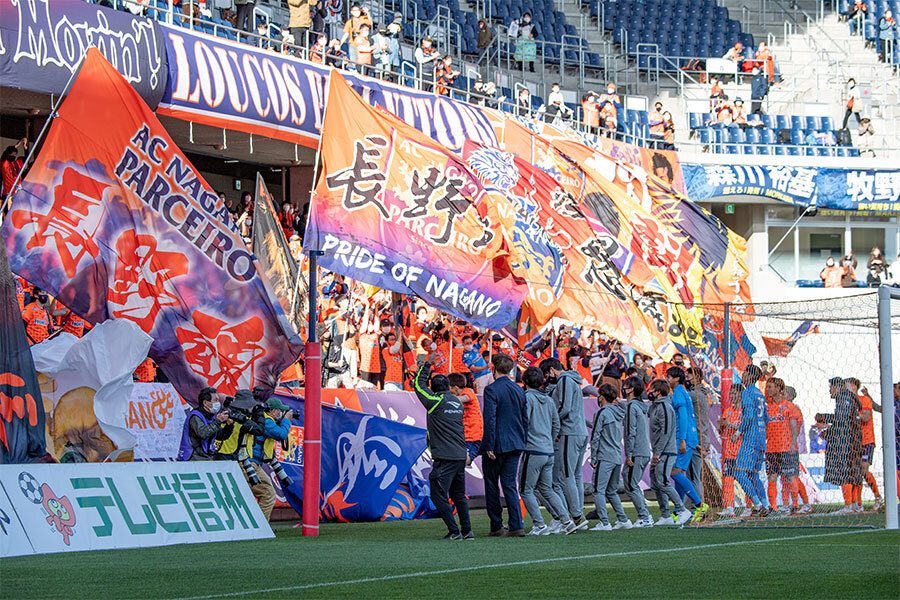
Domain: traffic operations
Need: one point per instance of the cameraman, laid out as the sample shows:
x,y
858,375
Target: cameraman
x,y
243,419
276,427
201,427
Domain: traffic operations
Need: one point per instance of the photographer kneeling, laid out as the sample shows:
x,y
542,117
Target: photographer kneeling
x,y
202,426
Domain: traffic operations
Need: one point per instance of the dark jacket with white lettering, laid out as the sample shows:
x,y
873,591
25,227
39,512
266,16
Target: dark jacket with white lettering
x,y
446,433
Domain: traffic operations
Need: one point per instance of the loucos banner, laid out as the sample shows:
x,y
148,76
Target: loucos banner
x,y
841,189
42,43
48,508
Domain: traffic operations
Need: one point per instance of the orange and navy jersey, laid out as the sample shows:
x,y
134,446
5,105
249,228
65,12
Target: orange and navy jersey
x,y
369,353
37,323
146,371
72,323
472,422
733,416
778,429
868,429
591,113
393,371
584,370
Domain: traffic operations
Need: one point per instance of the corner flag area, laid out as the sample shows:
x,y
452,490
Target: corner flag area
x,y
407,558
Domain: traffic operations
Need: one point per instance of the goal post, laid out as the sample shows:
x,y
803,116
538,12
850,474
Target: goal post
x,y
886,297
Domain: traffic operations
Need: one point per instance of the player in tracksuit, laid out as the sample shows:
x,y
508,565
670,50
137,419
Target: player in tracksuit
x,y
664,447
637,447
752,433
572,441
536,472
447,442
606,457
686,430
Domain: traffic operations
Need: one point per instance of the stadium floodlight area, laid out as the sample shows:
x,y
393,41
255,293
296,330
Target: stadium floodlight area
x,y
826,457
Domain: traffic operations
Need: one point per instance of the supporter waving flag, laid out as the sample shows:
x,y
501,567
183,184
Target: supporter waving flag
x,y
114,221
395,209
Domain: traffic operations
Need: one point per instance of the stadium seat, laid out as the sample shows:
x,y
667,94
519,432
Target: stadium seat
x,y
782,122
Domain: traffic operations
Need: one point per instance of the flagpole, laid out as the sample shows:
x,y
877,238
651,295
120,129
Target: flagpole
x,y
40,137
312,401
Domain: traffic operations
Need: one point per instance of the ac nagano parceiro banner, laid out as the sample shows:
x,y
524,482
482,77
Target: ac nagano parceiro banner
x,y
114,221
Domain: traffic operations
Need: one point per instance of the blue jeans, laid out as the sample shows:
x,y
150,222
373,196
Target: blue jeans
x,y
502,472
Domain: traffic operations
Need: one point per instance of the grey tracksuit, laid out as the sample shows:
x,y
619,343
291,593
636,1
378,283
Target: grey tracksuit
x,y
569,450
606,456
637,448
664,446
537,465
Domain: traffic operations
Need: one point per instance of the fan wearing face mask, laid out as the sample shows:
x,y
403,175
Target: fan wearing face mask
x,y
38,326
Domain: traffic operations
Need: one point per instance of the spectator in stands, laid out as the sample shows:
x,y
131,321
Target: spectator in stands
x,y
864,142
715,93
877,266
262,35
358,17
334,11
527,27
831,274
657,126
380,52
759,89
668,132
724,113
523,104
766,61
10,165
526,50
300,21
735,53
854,104
590,112
335,56
245,222
244,13
738,114
610,104
848,274
444,76
491,99
858,13
394,31
485,37
887,27
556,105
317,51
424,54
361,47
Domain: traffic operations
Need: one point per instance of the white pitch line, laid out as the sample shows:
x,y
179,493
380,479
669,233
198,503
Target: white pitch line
x,y
520,563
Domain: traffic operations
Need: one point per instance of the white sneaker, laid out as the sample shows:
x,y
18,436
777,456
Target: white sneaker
x,y
806,508
626,524
602,527
542,530
783,510
665,521
648,522
683,517
878,504
857,508
727,513
555,526
582,524
844,511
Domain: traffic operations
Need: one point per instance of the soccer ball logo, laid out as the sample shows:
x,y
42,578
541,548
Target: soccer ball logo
x,y
30,487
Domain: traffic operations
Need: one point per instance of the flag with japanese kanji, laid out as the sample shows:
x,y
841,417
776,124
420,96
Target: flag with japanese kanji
x,y
115,222
397,210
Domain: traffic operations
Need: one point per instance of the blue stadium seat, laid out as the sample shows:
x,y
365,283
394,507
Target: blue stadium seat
x,y
797,122
797,137
827,123
767,136
812,122
768,121
793,151
779,150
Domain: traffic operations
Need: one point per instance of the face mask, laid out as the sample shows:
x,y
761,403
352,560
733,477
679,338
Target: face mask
x,y
468,347
679,363
433,346
526,20
385,329
355,13
610,91
216,407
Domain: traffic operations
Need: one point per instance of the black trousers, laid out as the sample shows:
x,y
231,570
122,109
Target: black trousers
x,y
497,473
448,482
756,106
245,17
847,118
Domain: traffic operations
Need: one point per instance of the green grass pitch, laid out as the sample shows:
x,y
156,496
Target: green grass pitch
x,y
407,559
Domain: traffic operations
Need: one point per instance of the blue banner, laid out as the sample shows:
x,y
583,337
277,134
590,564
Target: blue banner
x,y
222,83
42,43
839,189
365,459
